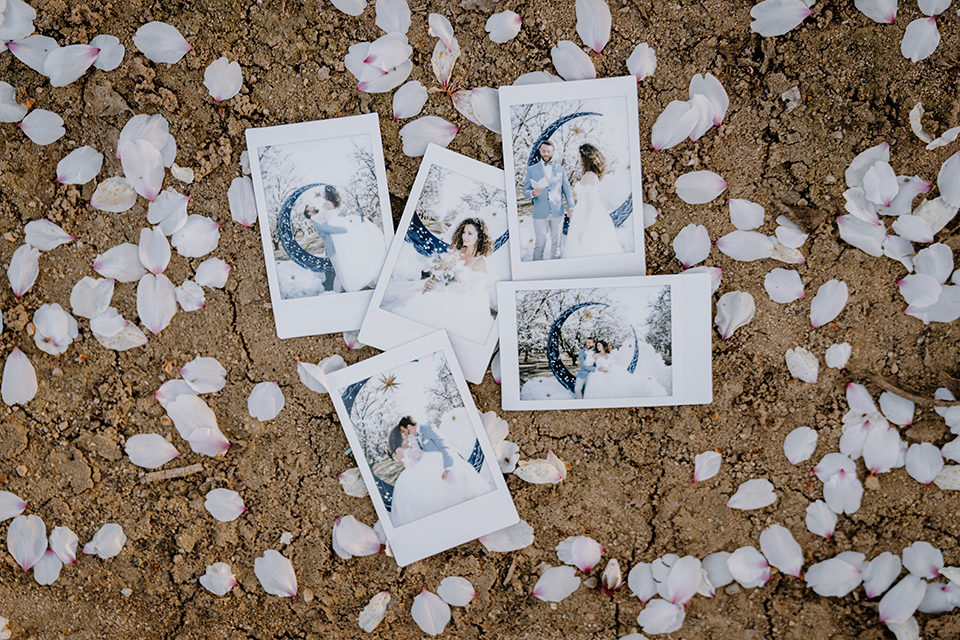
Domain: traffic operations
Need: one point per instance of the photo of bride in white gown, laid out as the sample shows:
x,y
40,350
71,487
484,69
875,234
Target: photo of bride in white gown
x,y
591,231
612,379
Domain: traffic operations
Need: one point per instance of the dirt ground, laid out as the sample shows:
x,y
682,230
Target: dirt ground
x,y
629,482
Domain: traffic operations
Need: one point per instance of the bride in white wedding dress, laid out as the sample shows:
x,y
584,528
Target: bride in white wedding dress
x,y
612,379
591,231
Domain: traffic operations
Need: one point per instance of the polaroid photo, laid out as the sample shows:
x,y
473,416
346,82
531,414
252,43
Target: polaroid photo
x,y
324,211
606,342
571,152
450,251
421,448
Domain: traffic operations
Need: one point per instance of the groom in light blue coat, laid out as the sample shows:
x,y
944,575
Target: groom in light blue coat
x,y
585,370
548,194
429,440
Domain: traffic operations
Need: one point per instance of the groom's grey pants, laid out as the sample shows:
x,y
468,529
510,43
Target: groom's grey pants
x,y
578,388
541,226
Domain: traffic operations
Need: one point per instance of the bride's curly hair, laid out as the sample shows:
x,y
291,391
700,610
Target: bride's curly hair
x,y
592,160
483,235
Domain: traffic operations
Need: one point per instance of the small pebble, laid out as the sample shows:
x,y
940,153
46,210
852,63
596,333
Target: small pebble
x,y
307,595
126,592
872,483
21,470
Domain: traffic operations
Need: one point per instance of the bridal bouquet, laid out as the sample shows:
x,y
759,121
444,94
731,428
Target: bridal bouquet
x,y
443,269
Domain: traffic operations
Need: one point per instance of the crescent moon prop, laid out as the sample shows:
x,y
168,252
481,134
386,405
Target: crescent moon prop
x,y
349,397
560,371
636,352
297,253
427,243
618,215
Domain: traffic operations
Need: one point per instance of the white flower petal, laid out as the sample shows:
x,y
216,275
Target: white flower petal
x,y
208,442
224,505
821,520
833,577
843,492
745,215
65,65
717,100
777,17
919,289
198,237
674,124
799,445
752,494
440,27
421,132
352,483
372,614
935,261
899,249
19,385
865,159
881,449
150,450
314,375
42,126
683,580
161,42
692,245
914,228
900,602
45,235
783,285
212,272
11,505
156,302
593,23
831,464
830,300
115,195
243,205
700,187
661,616
923,560
154,250
24,269
80,166
746,246
110,52
920,39
27,540
838,355
265,401
556,584
580,551
113,332
443,60
715,275
909,188
190,296
933,7
393,16
55,329
63,542
47,569
512,538
882,11
571,62
143,167
880,574
946,309
120,263
781,550
456,591
184,174
223,79
107,542
706,465
641,583
503,27
642,62
486,106
152,129
430,613
734,310
538,472
275,574
354,537
173,389
205,375
409,99
948,180
218,579
536,77
10,109
32,50
863,235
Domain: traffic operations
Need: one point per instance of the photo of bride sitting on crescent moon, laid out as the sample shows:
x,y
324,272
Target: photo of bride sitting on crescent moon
x,y
596,343
572,176
454,252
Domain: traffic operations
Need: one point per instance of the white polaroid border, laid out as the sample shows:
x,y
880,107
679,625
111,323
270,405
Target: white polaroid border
x,y
325,313
386,330
690,334
451,527
629,264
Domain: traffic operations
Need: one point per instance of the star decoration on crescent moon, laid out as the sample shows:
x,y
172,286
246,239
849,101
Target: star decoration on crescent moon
x,y
587,315
388,382
317,194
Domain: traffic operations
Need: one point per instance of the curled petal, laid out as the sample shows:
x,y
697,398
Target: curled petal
x,y
418,134
24,269
314,376
661,616
440,27
706,465
224,505
352,483
896,409
512,538
80,166
821,520
115,195
700,187
161,42
409,99
19,385
538,472
223,79
218,579
456,591
556,584
503,27
611,579
580,551
593,23
642,62
777,17
275,574
734,310
752,494
107,542
150,450
265,401
571,62
830,300
42,126
55,329
802,364
920,39
948,180
375,611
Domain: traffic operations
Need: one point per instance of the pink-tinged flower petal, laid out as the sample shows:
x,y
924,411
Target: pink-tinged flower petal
x,y
80,166
440,27
372,614
611,579
800,444
265,401
919,289
748,567
388,51
745,215
173,389
24,269
218,579
352,340
831,464
734,310
777,17
314,376
513,538
863,161
47,569
430,613
948,180
789,234
923,560
880,574
154,250
863,235
197,237
706,465
409,99
946,309
120,263
881,448
661,616
716,569
65,65
880,184
503,27
11,505
538,472
443,60
63,542
833,577
55,329
420,133
224,505
115,195
859,399
150,450
223,79
821,520
212,272
19,385
717,100
715,274
580,551
752,494
10,109
393,16
32,50
485,102
692,245
190,296
556,584
107,542
42,126
204,375
935,261
353,538
830,300
700,187
882,11
536,77
243,205
495,369
641,583
674,124
209,442
352,483
593,23
156,302
897,409
143,167
783,285
909,187
27,540
275,574
938,598
642,62
843,492
456,591
781,550
152,129
110,52
683,580
17,21
933,7
838,355
914,229
920,39
185,174
745,246
189,413
898,604
571,62
161,42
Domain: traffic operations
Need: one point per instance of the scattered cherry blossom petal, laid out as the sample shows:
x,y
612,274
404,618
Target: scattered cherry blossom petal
x,y
920,39
536,77
243,205
218,579
353,538
183,174
882,11
32,50
156,302
716,103
115,195
900,602
42,126
154,250
752,494
204,375
580,551
683,580
375,611
914,228
862,235
113,332
800,444
700,187
820,519
781,550
706,465
161,42
923,560
65,65
513,538
880,573
45,235
421,132
212,272
63,542
224,505
120,263
19,385
55,329
746,246
440,27
314,375
503,27
745,215
223,79
150,450
107,542
456,591
352,483
660,616
27,540
190,296
692,245
641,583
643,62
109,52
198,237
919,289
265,401
80,166
430,613
843,492
949,478
830,300
881,448
834,577
593,23
734,310
409,99
24,269
556,584
275,574
208,442
143,167
715,273
571,62
777,17
783,285
47,569
674,124
10,109
611,580
11,505
933,7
